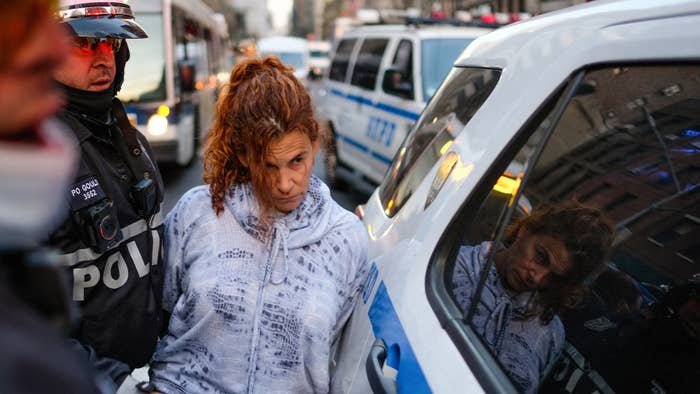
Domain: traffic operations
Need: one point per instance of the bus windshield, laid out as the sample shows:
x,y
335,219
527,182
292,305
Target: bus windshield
x,y
145,71
437,57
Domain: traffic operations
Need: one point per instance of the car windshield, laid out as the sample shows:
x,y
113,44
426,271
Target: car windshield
x,y
437,57
429,139
145,70
294,59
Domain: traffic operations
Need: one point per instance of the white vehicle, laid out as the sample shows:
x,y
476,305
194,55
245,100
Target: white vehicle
x,y
319,60
599,103
292,51
171,78
378,83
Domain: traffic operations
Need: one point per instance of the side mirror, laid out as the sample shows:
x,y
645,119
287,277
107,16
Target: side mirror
x,y
392,84
188,74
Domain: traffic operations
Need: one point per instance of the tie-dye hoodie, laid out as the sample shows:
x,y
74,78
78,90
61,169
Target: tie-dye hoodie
x,y
251,314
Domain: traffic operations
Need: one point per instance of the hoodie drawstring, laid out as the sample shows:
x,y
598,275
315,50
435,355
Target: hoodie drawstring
x,y
279,234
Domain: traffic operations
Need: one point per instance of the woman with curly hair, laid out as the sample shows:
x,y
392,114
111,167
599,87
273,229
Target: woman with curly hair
x,y
262,266
538,273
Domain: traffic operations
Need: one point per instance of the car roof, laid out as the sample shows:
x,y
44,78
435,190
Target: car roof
x,y
541,54
282,43
538,56
598,31
422,31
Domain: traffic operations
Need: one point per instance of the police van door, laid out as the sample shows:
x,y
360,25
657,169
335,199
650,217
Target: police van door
x,y
336,106
371,129
396,105
395,341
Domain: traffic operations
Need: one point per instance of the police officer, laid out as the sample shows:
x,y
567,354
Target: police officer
x,y
112,235
37,162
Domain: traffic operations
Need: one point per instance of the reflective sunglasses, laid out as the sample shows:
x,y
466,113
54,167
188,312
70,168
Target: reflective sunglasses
x,y
92,42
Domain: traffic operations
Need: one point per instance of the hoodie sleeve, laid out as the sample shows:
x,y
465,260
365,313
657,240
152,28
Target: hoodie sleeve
x,y
465,276
356,275
175,245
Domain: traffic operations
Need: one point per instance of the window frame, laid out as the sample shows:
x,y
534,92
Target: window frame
x,y
358,62
481,360
390,186
486,368
401,42
350,62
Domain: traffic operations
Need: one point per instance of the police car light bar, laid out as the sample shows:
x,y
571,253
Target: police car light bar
x,y
452,22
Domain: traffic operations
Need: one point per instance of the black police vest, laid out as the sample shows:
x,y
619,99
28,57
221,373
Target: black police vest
x,y
112,241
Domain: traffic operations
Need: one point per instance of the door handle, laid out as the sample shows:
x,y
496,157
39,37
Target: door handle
x,y
375,360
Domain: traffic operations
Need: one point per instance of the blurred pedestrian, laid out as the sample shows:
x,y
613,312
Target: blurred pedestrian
x,y
112,232
263,267
37,161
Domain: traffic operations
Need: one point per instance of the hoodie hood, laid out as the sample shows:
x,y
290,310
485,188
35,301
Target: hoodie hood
x,y
305,225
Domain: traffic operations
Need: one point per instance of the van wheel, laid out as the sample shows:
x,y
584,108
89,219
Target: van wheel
x,y
330,164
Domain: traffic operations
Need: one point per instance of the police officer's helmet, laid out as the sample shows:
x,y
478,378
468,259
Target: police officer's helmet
x,y
100,19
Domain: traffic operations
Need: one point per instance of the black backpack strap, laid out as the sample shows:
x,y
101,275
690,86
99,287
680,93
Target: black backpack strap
x,y
144,194
134,150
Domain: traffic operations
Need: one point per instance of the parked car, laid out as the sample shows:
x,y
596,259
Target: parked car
x,y
379,80
599,103
292,51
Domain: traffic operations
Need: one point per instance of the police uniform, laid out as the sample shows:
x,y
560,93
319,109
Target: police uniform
x,y
112,235
115,265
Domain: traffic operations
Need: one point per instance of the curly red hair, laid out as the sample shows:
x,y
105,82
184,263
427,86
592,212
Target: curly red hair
x,y
587,235
262,102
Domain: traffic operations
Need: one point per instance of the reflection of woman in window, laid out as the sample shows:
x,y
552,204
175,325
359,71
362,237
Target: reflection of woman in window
x,y
538,273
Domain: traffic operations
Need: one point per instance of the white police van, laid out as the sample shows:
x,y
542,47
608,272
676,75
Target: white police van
x,y
378,82
599,103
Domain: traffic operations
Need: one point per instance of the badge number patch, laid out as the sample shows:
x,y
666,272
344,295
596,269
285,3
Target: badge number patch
x,y
85,192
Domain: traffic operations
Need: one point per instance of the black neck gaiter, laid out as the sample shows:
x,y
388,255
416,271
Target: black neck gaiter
x,y
96,105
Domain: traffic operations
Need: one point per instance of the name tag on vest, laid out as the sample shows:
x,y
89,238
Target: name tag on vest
x,y
85,193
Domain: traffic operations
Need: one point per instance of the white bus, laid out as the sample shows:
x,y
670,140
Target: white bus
x,y
171,80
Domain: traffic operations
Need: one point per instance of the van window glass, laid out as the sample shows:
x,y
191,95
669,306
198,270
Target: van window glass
x,y
430,137
146,66
341,59
437,57
402,64
631,151
193,49
190,48
368,61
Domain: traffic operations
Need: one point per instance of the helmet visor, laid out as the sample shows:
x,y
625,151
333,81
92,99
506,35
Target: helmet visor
x,y
105,27
91,43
